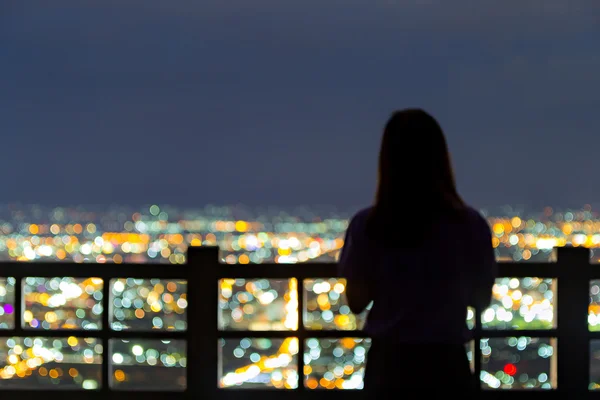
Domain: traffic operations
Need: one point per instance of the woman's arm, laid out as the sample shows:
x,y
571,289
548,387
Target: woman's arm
x,y
354,265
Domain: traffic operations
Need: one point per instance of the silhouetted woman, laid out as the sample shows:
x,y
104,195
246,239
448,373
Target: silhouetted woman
x,y
422,256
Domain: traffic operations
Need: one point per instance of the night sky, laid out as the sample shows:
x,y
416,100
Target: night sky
x,y
282,103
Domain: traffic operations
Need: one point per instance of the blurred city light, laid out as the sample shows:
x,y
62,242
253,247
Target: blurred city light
x,y
162,234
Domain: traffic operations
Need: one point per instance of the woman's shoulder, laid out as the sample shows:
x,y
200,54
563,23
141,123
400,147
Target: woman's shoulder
x,y
357,224
360,217
477,219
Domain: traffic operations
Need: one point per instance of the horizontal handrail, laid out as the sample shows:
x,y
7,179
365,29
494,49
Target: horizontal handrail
x,y
106,272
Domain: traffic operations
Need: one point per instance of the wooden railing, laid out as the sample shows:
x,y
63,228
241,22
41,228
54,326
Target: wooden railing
x,y
572,272
24,373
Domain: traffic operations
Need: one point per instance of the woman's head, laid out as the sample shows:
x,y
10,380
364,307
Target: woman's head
x,y
416,183
414,164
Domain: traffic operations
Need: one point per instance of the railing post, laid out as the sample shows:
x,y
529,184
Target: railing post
x,y
203,353
573,355
301,334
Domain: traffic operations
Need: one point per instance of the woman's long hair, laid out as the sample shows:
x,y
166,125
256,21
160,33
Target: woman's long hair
x,y
416,184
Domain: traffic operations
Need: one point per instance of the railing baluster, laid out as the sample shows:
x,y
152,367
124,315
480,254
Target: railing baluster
x,y
105,336
19,305
302,333
203,331
573,356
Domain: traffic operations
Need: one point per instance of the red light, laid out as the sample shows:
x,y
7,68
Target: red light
x,y
510,369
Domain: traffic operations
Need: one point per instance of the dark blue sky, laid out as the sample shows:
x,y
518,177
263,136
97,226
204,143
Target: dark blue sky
x,y
282,102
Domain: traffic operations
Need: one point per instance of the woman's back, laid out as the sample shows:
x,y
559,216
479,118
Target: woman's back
x,y
421,293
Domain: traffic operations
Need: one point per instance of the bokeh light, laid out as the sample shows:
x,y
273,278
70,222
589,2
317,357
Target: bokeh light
x,y
258,363
7,303
258,304
594,307
470,349
148,304
162,234
518,363
50,363
148,364
62,303
327,307
521,303
335,363
471,318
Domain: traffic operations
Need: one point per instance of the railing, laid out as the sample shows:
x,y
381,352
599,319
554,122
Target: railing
x,y
32,349
572,273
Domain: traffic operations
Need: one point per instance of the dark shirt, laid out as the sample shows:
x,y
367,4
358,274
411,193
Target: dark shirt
x,y
421,294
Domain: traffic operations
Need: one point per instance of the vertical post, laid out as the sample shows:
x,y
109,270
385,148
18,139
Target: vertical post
x,y
203,356
301,333
19,303
105,334
573,355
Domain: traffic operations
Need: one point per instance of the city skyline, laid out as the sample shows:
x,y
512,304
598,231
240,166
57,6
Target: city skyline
x,y
162,233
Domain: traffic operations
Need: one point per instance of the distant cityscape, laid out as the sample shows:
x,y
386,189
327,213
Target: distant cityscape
x,y
161,234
